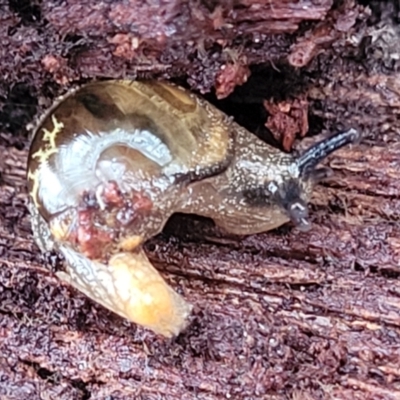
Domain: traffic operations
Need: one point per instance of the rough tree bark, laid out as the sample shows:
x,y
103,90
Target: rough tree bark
x,y
280,315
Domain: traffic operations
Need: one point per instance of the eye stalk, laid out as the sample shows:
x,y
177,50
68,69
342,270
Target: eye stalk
x,y
296,207
315,154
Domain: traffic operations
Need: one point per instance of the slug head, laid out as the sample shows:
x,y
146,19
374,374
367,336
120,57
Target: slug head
x,y
293,193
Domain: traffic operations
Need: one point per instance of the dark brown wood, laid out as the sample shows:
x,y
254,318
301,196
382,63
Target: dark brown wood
x,y
280,315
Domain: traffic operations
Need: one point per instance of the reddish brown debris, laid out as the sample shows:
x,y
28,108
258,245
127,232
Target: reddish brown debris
x,y
287,120
126,45
62,42
89,239
231,75
100,220
324,34
57,67
111,194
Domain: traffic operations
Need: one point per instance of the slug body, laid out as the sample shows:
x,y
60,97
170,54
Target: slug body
x,y
113,160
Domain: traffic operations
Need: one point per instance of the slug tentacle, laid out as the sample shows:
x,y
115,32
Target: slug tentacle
x,y
113,160
315,154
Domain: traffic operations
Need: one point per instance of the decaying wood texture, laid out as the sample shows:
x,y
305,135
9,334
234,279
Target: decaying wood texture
x,y
280,315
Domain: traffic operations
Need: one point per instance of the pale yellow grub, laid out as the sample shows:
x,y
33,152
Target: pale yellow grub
x,y
144,296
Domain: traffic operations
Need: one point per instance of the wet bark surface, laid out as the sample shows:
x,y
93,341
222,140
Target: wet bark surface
x,y
278,315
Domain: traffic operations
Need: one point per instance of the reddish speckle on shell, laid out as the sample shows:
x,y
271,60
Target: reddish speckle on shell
x,y
90,238
287,120
111,194
141,202
103,217
137,205
231,75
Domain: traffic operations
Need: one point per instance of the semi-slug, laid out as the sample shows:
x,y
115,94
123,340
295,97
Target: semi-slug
x,y
110,163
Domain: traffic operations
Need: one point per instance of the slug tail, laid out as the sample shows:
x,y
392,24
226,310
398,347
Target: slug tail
x,y
144,297
131,287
